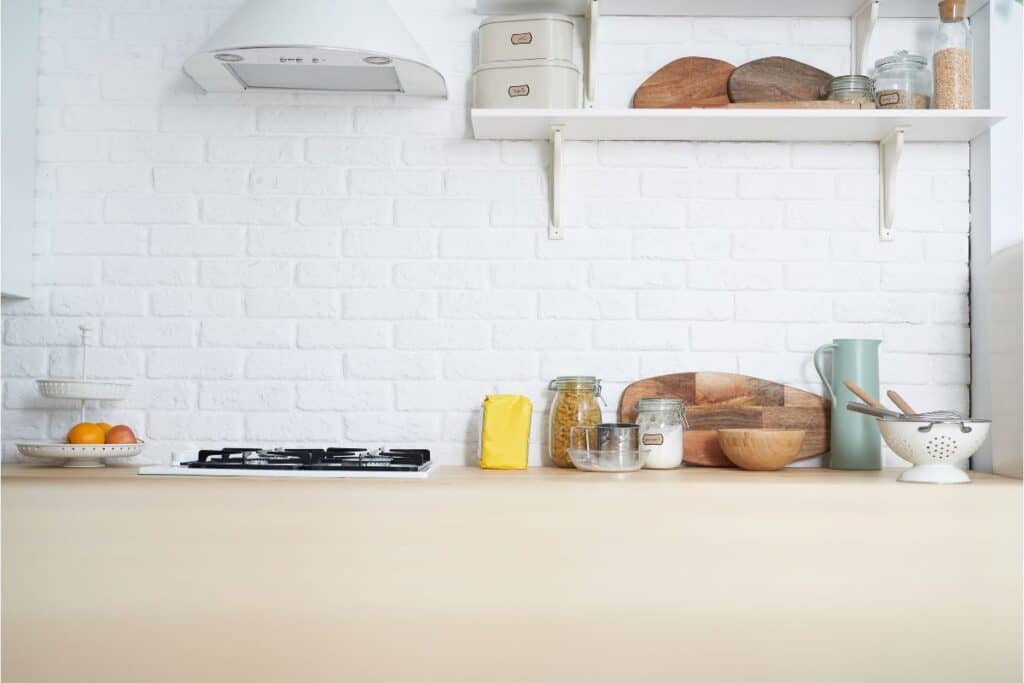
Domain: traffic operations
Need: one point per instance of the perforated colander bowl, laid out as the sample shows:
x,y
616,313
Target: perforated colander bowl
x,y
934,448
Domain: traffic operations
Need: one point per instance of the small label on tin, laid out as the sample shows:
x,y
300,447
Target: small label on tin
x,y
522,38
518,90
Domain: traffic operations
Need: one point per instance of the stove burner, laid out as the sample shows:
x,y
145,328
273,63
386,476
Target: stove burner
x,y
379,460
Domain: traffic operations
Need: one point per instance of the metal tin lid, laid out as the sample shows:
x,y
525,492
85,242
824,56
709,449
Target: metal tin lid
x,y
901,58
853,82
585,382
659,404
527,63
526,17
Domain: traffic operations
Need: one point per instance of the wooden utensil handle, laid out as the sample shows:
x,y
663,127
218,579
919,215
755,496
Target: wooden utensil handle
x,y
900,403
862,395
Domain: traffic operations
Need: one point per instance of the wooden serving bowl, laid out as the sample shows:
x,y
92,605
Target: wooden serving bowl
x,y
761,449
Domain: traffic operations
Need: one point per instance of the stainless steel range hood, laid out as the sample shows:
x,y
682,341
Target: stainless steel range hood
x,y
358,46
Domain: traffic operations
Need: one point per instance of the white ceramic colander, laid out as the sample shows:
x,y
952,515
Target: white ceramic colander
x,y
934,448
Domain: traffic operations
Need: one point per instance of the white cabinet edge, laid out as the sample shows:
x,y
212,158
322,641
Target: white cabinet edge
x,y
19,45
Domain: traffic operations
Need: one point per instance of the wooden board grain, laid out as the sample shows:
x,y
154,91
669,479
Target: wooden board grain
x,y
718,400
777,79
686,82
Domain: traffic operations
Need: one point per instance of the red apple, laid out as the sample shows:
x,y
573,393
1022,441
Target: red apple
x,y
121,434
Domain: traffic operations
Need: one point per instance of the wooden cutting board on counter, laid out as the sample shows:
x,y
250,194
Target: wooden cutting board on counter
x,y
777,79
686,82
719,400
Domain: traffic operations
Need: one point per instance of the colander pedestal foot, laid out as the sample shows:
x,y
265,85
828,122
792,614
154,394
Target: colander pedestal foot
x,y
935,474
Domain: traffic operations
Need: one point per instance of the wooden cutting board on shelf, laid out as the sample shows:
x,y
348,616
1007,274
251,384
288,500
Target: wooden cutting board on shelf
x,y
777,79
686,82
719,400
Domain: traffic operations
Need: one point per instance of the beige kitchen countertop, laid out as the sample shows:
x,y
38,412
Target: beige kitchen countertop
x,y
544,575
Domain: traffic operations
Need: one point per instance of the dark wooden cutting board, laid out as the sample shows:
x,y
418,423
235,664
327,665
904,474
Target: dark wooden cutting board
x,y
686,82
719,400
776,79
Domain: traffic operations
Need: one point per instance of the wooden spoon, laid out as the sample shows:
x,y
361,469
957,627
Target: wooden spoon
x,y
900,403
862,395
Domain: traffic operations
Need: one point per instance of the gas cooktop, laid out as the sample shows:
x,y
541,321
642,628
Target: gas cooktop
x,y
302,462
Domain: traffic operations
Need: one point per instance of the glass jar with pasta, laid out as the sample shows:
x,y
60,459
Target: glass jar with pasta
x,y
575,404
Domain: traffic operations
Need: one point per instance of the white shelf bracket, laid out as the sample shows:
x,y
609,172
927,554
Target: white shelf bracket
x,y
890,149
555,226
862,26
590,84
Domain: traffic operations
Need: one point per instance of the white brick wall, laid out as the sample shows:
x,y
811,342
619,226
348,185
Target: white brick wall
x,y
280,268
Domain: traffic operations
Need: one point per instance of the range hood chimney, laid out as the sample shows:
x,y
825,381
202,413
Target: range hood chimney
x,y
358,46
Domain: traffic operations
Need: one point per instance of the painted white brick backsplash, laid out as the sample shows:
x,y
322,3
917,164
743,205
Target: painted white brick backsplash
x,y
246,333
266,149
202,364
343,334
309,268
195,302
248,210
93,301
152,147
346,275
336,212
150,332
145,271
345,395
392,365
488,305
191,241
440,212
292,303
733,276
201,180
391,244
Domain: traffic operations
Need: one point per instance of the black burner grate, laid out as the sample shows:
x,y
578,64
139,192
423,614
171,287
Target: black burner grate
x,y
351,459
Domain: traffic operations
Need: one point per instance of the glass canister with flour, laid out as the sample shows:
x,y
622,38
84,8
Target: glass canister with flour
x,y
662,425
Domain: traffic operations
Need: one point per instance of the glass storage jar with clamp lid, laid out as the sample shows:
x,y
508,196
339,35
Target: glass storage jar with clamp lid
x,y
575,404
662,426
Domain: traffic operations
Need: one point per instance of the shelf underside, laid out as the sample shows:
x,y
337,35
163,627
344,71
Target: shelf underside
x,y
731,125
722,8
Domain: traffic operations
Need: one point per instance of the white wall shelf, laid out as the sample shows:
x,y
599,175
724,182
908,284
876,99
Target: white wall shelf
x,y
889,128
890,9
732,125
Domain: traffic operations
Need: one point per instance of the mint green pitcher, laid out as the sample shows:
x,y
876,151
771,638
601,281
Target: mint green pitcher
x,y
856,443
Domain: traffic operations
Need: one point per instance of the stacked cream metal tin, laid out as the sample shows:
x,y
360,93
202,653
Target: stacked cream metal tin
x,y
526,62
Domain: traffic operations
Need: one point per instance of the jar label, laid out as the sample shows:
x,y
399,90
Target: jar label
x,y
890,98
653,439
518,90
522,38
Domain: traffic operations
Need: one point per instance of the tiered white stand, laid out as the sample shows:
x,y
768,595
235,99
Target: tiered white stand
x,y
83,390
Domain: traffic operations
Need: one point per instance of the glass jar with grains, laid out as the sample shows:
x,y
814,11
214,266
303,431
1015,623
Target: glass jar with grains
x,y
902,81
952,58
850,90
575,404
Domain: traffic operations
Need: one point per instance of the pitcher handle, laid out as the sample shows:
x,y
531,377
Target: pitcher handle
x,y
821,373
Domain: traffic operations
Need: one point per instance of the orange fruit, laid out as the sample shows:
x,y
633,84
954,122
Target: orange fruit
x,y
85,432
104,426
